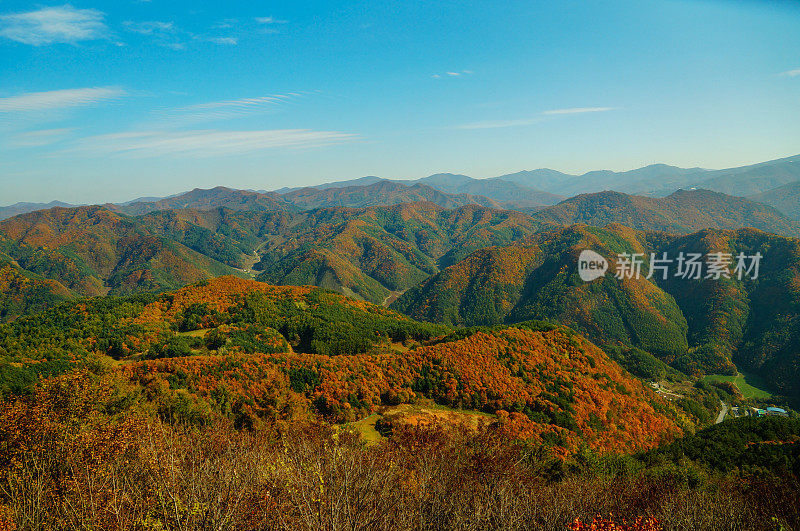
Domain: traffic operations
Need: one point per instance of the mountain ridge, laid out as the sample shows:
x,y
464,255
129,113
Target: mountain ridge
x,y
785,198
682,212
697,325
527,190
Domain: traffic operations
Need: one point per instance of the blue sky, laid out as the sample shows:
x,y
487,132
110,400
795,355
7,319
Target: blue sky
x,y
107,101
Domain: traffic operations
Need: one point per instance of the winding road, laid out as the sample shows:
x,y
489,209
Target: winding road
x,y
722,413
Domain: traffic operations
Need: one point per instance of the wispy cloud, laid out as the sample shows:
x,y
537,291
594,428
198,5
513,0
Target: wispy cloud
x,y
269,20
227,23
231,41
227,109
169,35
162,33
63,24
453,73
520,122
58,99
791,73
578,110
244,103
150,27
42,137
206,143
496,124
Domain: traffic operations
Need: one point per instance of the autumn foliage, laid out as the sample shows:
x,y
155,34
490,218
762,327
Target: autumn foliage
x,y
611,524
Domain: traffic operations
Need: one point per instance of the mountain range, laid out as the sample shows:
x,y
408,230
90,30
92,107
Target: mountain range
x,y
662,179
261,353
526,191
698,325
370,252
785,198
450,256
681,212
93,251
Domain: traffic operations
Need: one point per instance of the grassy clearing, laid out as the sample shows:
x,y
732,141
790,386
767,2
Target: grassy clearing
x,y
195,333
750,385
366,427
422,413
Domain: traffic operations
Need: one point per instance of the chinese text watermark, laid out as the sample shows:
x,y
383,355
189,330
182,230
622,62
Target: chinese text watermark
x,y
688,266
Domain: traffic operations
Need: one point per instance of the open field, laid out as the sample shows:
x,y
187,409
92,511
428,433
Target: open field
x,y
421,413
195,333
751,386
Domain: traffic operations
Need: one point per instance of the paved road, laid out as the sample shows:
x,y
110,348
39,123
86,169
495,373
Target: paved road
x,y
722,413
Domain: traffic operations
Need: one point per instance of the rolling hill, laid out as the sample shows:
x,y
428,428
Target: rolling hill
x,y
93,251
536,278
23,208
544,186
380,193
754,179
649,179
228,236
785,198
528,190
375,251
510,195
697,325
506,194
200,199
368,252
682,212
663,179
25,293
264,353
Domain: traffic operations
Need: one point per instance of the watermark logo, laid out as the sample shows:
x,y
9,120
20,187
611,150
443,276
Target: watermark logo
x,y
591,265
687,266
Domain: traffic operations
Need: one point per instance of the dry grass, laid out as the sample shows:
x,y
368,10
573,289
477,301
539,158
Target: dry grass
x,y
311,478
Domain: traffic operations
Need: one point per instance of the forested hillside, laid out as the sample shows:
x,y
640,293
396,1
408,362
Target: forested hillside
x,y
258,353
199,199
785,198
382,193
682,212
93,251
23,292
363,252
373,252
704,324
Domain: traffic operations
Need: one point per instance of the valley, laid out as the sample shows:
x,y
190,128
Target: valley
x,y
468,265
399,266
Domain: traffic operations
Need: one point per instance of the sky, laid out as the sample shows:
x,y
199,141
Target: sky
x,y
109,101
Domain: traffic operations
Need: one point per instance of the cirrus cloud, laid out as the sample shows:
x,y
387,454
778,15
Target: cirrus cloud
x,y
270,20
62,24
520,122
58,99
498,124
578,110
206,142
453,73
226,109
42,137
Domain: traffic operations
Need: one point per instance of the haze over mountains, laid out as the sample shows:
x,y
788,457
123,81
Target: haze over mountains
x,y
526,191
369,252
785,198
453,249
546,187
681,212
